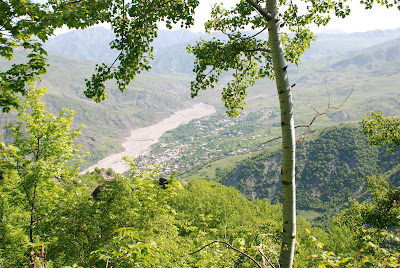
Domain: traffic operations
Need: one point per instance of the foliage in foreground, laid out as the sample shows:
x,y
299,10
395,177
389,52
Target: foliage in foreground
x,y
125,221
371,228
103,218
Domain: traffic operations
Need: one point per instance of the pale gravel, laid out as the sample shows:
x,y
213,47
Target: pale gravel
x,y
141,139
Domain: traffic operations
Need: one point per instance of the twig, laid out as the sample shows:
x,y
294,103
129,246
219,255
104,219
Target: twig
x,y
295,14
258,50
3,26
232,247
329,107
265,258
247,37
268,141
254,35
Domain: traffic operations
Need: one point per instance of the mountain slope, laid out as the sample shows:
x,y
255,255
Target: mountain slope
x,y
332,165
385,54
150,98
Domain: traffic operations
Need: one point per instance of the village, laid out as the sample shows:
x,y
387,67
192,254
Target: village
x,y
205,139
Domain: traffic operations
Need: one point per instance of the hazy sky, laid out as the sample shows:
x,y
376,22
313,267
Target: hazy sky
x,y
360,20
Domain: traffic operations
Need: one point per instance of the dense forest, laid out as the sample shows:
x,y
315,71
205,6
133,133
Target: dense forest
x,y
327,197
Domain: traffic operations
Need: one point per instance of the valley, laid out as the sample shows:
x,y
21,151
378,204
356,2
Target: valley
x,y
215,146
140,140
238,151
116,148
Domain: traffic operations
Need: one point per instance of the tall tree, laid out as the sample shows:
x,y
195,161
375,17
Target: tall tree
x,y
252,58
249,58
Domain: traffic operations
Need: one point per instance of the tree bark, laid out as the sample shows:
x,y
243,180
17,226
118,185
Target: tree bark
x,y
37,259
288,139
33,221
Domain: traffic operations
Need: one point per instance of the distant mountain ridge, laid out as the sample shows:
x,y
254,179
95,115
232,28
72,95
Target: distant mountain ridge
x,y
388,52
170,46
90,44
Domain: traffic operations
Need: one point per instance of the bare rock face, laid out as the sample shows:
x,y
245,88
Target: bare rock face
x,y
339,117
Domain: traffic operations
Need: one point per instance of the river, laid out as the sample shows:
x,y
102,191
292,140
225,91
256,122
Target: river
x,y
140,140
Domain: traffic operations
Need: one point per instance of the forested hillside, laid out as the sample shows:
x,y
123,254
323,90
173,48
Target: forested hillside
x,y
103,218
332,165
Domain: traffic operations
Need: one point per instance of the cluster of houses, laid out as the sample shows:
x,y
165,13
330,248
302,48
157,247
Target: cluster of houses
x,y
202,143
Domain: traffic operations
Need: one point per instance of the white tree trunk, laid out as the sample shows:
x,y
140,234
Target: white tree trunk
x,y
288,140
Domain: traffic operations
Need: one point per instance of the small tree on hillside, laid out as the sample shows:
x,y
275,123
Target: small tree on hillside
x,y
46,151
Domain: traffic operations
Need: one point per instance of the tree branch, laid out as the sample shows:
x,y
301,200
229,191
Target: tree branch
x,y
144,15
116,59
295,14
262,11
258,50
247,37
318,114
265,259
232,247
329,107
3,26
254,35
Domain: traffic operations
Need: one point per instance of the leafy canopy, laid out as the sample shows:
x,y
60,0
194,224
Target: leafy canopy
x,y
26,25
246,54
381,130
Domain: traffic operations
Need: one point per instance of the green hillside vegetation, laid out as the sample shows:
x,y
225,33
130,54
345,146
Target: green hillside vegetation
x,y
53,216
103,218
50,214
332,165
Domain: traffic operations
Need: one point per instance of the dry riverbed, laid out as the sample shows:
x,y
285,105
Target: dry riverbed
x,y
140,140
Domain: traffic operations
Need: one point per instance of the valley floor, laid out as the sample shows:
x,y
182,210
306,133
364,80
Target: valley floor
x,y
140,140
